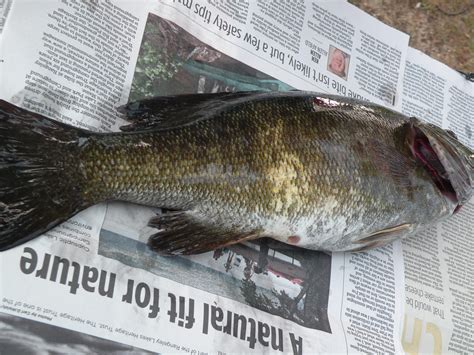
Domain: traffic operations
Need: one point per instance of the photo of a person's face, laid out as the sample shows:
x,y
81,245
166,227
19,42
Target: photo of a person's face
x,y
338,62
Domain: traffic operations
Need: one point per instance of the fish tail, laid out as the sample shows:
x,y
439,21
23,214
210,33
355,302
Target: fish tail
x,y
40,182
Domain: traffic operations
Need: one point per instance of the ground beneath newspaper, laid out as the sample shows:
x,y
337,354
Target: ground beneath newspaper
x,y
442,29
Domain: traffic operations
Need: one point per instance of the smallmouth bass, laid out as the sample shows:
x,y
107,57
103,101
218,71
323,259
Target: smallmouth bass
x,y
317,171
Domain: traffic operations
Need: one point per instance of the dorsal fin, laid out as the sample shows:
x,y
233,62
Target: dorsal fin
x,y
165,112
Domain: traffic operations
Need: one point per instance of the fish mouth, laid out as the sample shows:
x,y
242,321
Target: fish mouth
x,y
447,161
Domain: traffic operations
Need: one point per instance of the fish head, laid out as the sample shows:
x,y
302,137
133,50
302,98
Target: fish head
x,y
449,162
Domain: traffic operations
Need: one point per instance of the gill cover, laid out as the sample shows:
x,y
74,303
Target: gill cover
x,y
449,162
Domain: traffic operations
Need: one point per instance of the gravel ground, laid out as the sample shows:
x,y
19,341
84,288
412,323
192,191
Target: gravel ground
x,y
440,28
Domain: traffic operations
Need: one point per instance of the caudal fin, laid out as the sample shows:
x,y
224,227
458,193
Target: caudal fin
x,y
40,183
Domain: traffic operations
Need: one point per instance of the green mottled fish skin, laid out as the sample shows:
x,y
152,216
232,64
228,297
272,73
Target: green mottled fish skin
x,y
281,166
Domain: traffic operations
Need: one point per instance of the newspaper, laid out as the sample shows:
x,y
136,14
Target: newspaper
x,y
78,61
439,281
4,9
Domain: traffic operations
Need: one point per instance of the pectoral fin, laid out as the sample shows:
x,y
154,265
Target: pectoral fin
x,y
182,233
383,236
369,246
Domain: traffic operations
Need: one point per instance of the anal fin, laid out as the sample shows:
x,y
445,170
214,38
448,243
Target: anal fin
x,y
182,233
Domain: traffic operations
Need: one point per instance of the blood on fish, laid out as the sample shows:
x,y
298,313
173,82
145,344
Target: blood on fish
x,y
294,239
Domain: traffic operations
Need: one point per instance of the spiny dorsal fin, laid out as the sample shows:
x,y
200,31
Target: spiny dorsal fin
x,y
181,233
165,112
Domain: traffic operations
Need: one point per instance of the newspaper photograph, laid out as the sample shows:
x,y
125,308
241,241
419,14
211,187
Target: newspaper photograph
x,y
94,283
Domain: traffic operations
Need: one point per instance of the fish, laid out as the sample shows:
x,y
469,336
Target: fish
x,y
312,170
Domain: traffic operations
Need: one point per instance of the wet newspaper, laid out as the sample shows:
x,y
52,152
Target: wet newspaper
x,y
78,61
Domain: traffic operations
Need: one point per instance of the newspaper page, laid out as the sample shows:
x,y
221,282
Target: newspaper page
x,y
204,69
356,315
70,61
100,278
75,64
439,282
